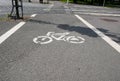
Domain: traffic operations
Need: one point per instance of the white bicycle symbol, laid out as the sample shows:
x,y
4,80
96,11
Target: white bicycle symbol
x,y
58,36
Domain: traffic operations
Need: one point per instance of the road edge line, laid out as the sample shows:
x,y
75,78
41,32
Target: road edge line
x,y
99,33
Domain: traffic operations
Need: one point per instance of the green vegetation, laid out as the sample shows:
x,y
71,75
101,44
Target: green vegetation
x,y
71,1
109,3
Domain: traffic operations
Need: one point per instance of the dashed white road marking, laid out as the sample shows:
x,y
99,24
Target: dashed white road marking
x,y
103,36
12,30
33,15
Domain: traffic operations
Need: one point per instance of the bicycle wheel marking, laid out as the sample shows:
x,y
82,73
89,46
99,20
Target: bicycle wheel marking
x,y
48,38
75,39
42,40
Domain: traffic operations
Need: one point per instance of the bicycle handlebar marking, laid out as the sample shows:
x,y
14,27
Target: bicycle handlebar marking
x,y
48,38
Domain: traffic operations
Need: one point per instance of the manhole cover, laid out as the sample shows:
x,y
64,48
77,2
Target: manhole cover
x,y
109,20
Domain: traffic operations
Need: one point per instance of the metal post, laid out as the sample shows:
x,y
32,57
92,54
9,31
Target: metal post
x,y
21,9
40,1
17,10
103,3
67,2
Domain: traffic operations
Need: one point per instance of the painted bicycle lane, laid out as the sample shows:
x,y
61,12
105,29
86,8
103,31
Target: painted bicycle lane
x,y
59,59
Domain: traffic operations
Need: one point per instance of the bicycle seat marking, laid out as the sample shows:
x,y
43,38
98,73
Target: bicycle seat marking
x,y
48,38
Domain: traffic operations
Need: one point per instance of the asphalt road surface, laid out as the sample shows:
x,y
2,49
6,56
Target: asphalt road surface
x,y
60,44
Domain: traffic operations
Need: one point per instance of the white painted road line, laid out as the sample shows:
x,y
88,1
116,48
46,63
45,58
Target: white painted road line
x,y
33,15
99,14
103,36
49,8
12,30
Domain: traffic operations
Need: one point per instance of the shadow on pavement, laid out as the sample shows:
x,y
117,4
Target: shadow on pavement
x,y
40,22
86,31
81,30
115,36
78,29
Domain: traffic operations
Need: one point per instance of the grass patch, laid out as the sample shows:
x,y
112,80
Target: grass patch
x,y
6,18
88,2
70,1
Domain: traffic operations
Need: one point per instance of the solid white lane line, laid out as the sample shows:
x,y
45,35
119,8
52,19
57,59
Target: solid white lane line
x,y
12,30
103,36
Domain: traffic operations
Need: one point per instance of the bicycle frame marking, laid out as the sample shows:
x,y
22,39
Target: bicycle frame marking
x,y
58,36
